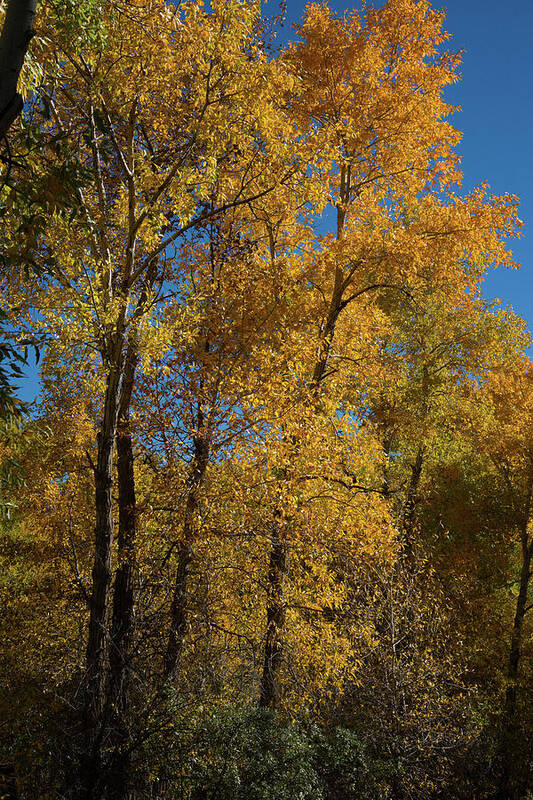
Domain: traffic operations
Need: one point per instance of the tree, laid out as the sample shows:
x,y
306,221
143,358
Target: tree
x,y
155,172
505,438
17,33
388,161
258,409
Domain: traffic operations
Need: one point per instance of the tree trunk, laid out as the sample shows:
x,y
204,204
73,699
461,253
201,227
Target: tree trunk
x,y
178,611
408,514
123,624
327,334
516,637
385,486
101,576
505,790
273,653
16,36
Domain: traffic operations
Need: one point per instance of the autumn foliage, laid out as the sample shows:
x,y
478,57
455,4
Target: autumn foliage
x,y
267,532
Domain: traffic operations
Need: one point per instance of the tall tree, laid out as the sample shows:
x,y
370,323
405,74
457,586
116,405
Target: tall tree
x,y
156,170
388,162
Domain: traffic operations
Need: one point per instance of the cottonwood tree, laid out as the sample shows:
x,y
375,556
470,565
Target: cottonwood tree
x,y
505,439
371,91
163,149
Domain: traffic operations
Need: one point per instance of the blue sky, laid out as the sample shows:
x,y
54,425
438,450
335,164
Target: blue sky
x,y
496,120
